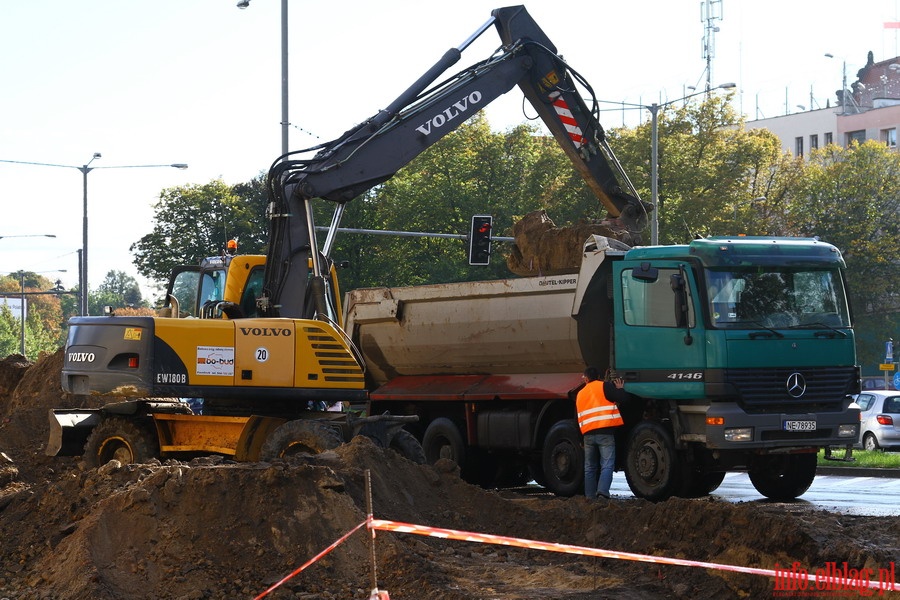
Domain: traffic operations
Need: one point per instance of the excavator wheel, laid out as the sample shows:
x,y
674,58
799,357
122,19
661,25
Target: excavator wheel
x,y
299,437
406,445
124,440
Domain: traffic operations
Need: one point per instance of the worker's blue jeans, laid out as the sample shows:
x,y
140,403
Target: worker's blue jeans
x,y
599,462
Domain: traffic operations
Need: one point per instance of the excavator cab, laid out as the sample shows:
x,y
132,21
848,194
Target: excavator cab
x,y
219,287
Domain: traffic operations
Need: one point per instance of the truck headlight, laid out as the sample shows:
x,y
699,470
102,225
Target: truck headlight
x,y
739,434
847,430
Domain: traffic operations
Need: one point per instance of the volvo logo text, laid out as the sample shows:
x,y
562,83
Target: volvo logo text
x,y
80,356
449,113
796,385
265,331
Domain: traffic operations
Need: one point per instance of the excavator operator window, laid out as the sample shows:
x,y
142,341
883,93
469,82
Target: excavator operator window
x,y
252,290
212,286
184,288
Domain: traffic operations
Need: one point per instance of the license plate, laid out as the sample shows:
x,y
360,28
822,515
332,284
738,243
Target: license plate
x,y
799,425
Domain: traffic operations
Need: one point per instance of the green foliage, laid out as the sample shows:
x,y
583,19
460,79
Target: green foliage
x,y
117,290
196,221
712,171
851,198
471,171
44,323
860,459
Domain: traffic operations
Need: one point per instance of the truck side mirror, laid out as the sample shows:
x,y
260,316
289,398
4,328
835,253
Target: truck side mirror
x,y
645,272
678,287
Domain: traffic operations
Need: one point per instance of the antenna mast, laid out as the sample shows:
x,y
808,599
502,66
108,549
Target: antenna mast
x,y
710,13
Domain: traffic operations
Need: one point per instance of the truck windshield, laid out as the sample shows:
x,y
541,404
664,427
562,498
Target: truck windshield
x,y
777,298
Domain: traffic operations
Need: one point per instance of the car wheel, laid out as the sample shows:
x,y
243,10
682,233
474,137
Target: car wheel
x,y
870,443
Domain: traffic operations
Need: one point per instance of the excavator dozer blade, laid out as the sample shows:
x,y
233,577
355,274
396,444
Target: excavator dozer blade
x,y
69,430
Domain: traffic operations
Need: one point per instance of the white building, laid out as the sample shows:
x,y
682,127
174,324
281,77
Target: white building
x,y
868,110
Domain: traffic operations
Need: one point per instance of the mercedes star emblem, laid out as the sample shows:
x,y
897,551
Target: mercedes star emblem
x,y
796,385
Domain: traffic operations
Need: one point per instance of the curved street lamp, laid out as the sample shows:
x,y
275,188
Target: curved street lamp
x,y
49,235
85,169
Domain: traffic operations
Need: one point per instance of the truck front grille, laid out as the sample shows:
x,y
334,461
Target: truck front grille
x,y
765,390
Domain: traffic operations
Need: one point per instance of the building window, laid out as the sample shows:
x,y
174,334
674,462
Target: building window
x,y
798,146
856,136
814,141
828,138
889,137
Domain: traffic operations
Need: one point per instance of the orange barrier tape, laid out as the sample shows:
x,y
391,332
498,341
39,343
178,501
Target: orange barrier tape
x,y
312,560
788,578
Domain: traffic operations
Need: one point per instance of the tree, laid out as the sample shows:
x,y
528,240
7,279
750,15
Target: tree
x,y
471,171
118,290
195,221
44,323
850,197
713,173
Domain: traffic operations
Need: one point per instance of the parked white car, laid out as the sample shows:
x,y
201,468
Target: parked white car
x,y
879,419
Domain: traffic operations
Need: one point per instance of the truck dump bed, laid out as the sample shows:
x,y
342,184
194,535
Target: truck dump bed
x,y
488,327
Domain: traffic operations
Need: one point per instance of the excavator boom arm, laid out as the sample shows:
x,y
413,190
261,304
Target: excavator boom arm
x,y
373,151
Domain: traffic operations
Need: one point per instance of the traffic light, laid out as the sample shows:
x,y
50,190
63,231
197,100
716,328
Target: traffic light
x,y
480,240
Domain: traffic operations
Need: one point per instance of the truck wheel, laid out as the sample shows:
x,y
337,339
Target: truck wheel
x,y
870,443
783,477
406,445
703,483
442,439
563,459
652,466
299,437
536,472
120,439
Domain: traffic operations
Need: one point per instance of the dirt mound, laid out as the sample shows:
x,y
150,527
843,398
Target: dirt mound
x,y
211,528
542,248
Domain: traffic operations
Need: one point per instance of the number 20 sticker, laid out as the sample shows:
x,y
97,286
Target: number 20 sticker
x,y
262,355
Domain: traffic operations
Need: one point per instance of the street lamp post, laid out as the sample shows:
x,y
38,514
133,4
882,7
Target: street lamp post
x,y
85,169
285,122
654,155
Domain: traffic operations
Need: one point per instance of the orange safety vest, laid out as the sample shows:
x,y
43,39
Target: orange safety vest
x,y
594,410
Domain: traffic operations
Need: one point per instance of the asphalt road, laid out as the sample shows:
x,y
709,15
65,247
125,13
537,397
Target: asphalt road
x,y
870,492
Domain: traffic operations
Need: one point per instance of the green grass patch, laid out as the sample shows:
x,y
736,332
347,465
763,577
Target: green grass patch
x,y
861,459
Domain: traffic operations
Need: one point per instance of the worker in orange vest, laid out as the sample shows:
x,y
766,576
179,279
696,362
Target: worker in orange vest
x,y
599,418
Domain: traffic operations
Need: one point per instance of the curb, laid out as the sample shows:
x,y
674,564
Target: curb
x,y
858,472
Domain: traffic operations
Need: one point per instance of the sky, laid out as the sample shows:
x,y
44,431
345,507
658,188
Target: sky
x,y
199,82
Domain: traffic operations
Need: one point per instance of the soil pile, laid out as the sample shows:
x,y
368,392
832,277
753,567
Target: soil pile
x,y
542,248
212,528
